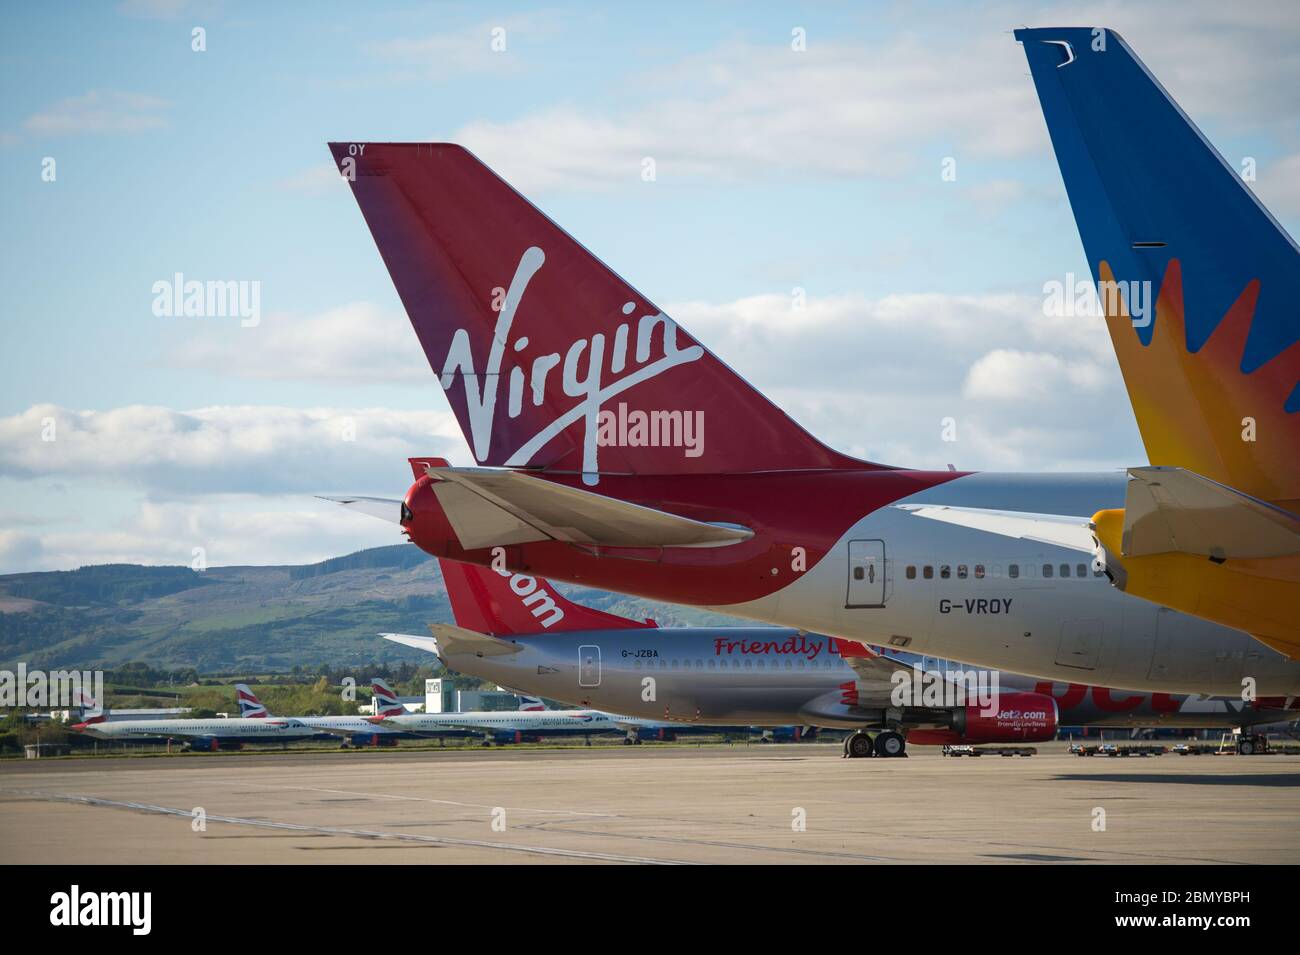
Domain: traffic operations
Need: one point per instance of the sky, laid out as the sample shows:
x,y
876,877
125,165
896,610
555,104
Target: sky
x,y
885,163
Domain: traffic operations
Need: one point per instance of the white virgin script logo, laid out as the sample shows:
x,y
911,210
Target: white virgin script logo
x,y
481,399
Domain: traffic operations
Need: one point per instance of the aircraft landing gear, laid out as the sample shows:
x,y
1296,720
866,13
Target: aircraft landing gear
x,y
887,743
858,746
1252,745
890,743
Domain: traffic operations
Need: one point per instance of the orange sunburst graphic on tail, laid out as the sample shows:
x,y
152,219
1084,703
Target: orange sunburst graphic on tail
x,y
1199,410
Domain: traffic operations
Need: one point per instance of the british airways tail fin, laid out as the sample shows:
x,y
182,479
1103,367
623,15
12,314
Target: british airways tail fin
x,y
386,702
502,603
92,710
250,707
1198,281
548,358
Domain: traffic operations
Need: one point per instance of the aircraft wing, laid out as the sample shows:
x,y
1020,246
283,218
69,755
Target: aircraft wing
x,y
1169,510
384,508
875,672
1074,533
488,507
346,732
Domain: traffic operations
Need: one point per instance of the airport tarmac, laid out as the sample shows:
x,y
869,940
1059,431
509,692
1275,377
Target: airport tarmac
x,y
650,804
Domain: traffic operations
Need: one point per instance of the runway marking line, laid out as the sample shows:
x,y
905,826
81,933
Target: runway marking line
x,y
449,802
342,831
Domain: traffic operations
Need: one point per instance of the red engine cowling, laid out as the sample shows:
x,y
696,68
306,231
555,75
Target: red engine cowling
x,y
1020,718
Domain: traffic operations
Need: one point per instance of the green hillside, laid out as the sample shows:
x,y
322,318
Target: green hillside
x,y
267,619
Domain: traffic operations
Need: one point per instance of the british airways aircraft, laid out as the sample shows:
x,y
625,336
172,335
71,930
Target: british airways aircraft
x,y
544,643
615,451
357,730
531,722
256,726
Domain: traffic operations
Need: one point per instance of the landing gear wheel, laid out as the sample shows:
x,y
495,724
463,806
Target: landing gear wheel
x,y
890,743
1246,746
859,746
626,741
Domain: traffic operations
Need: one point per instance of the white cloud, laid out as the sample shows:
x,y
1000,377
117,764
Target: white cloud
x,y
241,449
874,377
1278,186
21,551
877,377
1007,374
461,50
956,86
910,360
838,109
99,111
356,343
319,180
230,530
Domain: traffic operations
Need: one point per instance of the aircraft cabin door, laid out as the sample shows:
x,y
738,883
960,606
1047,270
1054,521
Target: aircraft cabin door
x,y
866,574
589,665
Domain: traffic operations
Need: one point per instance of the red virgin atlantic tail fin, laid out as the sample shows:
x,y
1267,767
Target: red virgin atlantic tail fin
x,y
548,358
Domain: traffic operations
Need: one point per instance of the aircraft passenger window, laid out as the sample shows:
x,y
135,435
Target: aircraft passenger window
x,y
1065,570
749,664
762,665
911,572
961,571
674,664
945,571
1013,571
1081,570
1047,570
712,664
979,571
801,664
928,573
858,573
788,664
699,664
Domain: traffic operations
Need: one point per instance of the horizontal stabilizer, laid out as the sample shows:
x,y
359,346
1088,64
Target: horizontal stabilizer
x,y
1074,533
427,644
1172,510
489,508
384,508
457,640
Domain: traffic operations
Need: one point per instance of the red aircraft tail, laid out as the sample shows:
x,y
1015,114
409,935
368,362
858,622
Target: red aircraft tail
x,y
548,358
506,604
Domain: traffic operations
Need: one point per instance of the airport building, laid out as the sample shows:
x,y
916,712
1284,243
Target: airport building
x,y
441,696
